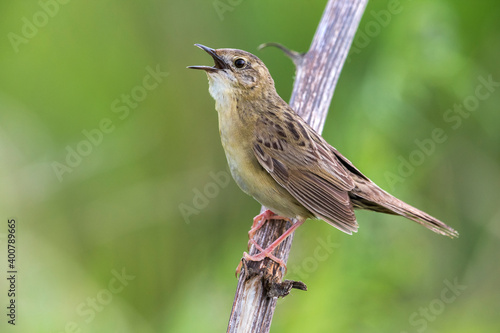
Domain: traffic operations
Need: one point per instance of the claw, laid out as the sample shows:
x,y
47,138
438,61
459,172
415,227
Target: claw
x,y
259,257
238,269
262,255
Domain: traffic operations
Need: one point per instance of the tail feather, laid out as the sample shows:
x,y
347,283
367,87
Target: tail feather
x,y
428,221
369,196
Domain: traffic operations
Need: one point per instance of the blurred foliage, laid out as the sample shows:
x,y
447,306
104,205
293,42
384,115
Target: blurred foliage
x,y
120,206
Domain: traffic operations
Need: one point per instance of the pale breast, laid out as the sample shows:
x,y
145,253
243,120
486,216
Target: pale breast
x,y
239,154
251,177
236,133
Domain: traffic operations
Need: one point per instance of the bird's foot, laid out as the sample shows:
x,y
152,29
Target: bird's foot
x,y
264,253
267,253
260,220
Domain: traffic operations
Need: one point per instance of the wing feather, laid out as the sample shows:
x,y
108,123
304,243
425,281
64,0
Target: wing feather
x,y
310,172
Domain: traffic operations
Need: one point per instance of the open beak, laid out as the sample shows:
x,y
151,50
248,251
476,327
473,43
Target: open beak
x,y
219,63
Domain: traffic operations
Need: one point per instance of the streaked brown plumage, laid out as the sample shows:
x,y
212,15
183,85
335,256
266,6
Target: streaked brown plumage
x,y
277,158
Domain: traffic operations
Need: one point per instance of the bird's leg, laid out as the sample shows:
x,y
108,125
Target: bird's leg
x,y
259,221
267,253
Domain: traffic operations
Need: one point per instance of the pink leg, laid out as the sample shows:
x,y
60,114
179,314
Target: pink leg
x,y
260,220
248,257
267,253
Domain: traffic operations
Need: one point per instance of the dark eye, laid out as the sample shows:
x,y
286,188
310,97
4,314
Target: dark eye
x,y
239,63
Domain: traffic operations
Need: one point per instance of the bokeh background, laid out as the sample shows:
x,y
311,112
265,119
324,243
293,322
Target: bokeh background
x,y
149,200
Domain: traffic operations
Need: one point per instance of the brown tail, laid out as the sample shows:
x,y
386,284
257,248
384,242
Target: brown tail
x,y
369,196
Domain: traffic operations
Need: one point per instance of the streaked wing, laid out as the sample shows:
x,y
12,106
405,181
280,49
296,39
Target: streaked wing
x,y
302,162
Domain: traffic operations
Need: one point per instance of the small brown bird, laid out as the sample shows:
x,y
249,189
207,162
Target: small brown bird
x,y
278,159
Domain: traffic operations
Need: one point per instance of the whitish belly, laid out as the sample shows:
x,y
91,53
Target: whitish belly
x,y
257,182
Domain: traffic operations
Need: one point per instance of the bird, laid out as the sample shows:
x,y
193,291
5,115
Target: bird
x,y
282,162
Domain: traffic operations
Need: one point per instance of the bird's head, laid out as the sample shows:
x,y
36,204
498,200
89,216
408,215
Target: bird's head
x,y
236,73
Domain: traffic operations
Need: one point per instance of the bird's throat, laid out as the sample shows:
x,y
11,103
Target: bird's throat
x,y
221,93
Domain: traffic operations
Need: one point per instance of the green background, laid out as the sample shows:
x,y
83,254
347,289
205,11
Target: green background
x,y
120,207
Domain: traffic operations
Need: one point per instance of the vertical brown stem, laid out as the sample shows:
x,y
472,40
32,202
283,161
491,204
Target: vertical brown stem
x,y
317,74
